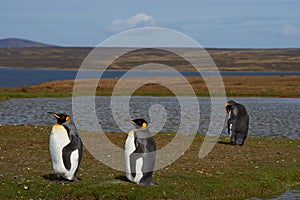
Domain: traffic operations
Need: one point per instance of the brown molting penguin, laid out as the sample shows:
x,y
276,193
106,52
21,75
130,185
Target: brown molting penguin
x,y
238,122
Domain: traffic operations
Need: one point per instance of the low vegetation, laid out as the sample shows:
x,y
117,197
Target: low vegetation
x,y
236,86
226,59
262,168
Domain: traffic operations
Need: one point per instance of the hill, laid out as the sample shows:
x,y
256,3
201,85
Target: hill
x,y
226,59
21,43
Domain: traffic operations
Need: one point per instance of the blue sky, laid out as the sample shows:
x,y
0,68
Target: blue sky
x,y
212,23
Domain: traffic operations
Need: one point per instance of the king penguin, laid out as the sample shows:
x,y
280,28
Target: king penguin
x,y
65,147
140,154
238,122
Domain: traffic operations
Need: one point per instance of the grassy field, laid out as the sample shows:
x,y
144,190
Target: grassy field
x,y
225,59
236,86
261,168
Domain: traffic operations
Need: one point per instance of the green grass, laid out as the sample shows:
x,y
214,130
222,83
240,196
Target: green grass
x,y
262,168
18,94
9,95
236,86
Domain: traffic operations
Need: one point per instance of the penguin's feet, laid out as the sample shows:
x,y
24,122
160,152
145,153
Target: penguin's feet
x,y
148,184
154,184
63,182
240,142
77,179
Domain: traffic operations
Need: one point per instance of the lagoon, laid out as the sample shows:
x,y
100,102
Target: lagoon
x,y
13,77
269,117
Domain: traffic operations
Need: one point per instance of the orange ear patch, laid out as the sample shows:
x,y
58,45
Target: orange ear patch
x,y
144,125
68,118
227,104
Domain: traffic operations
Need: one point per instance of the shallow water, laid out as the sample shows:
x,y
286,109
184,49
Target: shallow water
x,y
13,77
287,195
269,117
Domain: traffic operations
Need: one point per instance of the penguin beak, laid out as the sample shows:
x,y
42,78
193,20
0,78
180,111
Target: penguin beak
x,y
55,115
132,122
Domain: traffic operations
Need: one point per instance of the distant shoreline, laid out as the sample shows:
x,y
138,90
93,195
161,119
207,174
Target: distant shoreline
x,y
15,77
236,86
225,73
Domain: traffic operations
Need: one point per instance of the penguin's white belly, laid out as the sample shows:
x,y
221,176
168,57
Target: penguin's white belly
x,y
129,149
58,140
74,165
138,169
230,130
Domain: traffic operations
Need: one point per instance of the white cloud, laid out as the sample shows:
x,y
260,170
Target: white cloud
x,y
289,30
139,20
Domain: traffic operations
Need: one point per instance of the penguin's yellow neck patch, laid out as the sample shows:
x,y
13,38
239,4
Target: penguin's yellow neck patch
x,y
68,118
144,125
57,124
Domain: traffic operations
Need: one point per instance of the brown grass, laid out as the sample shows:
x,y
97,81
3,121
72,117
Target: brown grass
x,y
259,86
225,59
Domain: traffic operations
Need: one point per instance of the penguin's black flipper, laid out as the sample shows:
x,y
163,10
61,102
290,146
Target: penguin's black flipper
x,y
67,150
140,149
148,167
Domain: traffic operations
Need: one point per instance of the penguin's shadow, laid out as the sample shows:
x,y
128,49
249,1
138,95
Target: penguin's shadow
x,y
122,178
52,177
224,142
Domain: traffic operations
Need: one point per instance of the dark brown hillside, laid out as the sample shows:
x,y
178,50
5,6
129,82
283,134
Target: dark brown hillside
x,y
226,59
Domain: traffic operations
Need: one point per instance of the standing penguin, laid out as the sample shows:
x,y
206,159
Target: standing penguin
x,y
65,147
140,153
238,122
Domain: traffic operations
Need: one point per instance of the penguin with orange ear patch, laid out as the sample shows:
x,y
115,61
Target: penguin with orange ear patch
x,y
65,148
238,122
140,154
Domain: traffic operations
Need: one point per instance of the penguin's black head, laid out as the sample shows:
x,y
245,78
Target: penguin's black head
x,y
139,123
228,105
61,118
